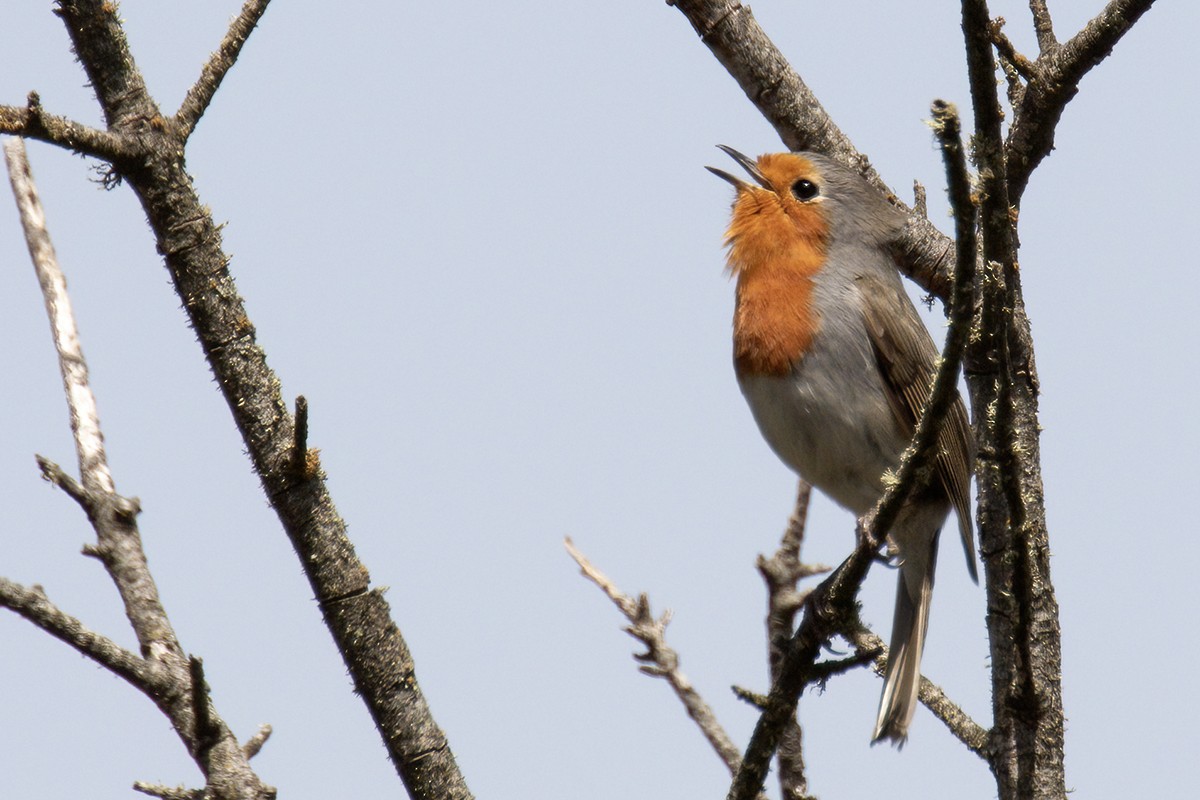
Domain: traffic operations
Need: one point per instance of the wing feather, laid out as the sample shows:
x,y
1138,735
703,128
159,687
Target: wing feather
x,y
906,356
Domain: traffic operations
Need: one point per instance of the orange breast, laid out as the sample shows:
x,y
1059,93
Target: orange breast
x,y
775,254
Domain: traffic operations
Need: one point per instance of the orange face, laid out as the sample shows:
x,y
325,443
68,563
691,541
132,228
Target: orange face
x,y
777,242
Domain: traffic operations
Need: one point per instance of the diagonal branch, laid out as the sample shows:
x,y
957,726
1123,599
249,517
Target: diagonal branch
x,y
102,49
201,93
178,689
118,542
32,122
357,615
1060,68
33,605
1043,26
660,660
1075,57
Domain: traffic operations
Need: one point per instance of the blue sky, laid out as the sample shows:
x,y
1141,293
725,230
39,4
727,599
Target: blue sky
x,y
480,239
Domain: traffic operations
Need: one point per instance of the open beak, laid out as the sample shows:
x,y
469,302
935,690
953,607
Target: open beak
x,y
747,164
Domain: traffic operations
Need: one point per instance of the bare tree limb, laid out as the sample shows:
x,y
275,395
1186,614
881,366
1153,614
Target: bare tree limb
x,y
358,616
174,682
201,93
33,605
1097,39
782,573
1060,69
118,542
1043,26
1026,741
660,660
32,122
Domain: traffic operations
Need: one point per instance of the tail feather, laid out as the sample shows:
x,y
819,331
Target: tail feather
x,y
914,590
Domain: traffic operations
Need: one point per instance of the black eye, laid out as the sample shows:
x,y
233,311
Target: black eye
x,y
804,189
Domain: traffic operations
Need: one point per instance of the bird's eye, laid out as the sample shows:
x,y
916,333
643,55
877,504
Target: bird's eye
x,y
804,189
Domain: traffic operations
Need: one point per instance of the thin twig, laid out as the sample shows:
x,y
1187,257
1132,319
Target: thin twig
x,y
112,515
300,439
660,659
168,792
255,743
219,64
85,421
206,730
32,122
1025,68
33,605
1060,68
54,474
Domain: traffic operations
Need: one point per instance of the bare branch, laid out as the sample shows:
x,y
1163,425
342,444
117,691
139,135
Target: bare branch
x,y
168,792
1097,39
103,51
1061,68
54,474
1043,26
1024,67
660,660
201,94
85,422
118,542
782,574
254,745
33,605
32,122
179,689
1026,742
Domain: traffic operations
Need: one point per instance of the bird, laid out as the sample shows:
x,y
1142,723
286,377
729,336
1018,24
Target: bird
x,y
835,365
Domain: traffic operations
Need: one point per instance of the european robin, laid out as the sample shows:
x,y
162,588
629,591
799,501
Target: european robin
x,y
836,365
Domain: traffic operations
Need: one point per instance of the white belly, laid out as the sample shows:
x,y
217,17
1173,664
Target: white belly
x,y
833,426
